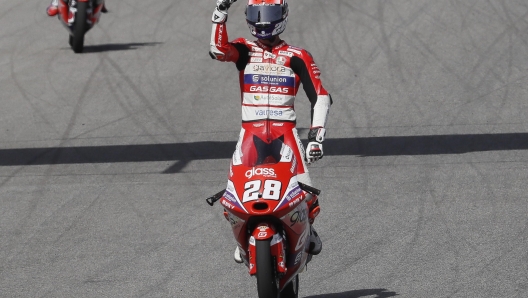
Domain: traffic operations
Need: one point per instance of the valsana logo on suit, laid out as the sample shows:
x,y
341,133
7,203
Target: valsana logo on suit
x,y
268,113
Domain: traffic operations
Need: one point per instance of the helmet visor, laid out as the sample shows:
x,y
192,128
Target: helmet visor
x,y
263,13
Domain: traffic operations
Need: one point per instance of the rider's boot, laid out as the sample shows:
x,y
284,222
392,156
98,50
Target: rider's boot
x,y
316,245
238,257
53,8
104,10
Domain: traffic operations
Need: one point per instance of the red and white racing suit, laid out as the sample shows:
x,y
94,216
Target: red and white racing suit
x,y
269,80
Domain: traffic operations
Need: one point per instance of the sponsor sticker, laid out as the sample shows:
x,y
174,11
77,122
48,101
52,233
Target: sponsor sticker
x,y
255,59
286,53
227,204
265,68
276,113
269,80
268,55
281,60
298,216
273,89
274,98
265,172
295,51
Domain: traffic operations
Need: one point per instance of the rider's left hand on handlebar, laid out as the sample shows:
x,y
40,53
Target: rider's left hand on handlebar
x,y
314,150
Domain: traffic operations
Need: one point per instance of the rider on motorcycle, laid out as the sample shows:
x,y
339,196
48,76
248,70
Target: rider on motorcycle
x,y
270,68
53,8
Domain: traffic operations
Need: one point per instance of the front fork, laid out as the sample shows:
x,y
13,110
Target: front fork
x,y
68,8
265,231
72,11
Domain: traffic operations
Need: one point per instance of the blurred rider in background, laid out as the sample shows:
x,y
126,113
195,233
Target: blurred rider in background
x,y
53,8
290,66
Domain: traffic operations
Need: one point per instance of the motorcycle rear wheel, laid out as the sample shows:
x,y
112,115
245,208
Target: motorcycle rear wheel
x,y
292,289
267,285
79,27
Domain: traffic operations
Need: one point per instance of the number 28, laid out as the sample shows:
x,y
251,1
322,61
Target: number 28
x,y
271,191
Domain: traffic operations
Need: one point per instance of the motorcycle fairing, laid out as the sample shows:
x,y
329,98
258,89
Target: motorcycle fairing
x,y
264,196
230,199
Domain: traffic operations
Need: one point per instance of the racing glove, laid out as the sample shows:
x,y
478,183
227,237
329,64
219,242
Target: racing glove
x,y
314,150
220,12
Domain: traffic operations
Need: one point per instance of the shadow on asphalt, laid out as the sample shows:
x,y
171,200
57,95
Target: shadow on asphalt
x,y
374,293
183,153
110,47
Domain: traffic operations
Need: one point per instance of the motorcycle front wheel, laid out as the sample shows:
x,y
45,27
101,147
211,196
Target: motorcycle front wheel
x,y
79,27
267,285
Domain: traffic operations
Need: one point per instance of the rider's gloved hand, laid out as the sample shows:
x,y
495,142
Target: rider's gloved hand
x,y
314,150
224,4
220,12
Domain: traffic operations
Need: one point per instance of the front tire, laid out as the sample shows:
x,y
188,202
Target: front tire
x,y
292,289
80,27
267,285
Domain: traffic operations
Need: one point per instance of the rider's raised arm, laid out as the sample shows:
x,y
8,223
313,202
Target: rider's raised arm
x,y
220,47
304,66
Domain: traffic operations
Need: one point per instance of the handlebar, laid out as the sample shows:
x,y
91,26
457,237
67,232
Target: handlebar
x,y
211,200
309,189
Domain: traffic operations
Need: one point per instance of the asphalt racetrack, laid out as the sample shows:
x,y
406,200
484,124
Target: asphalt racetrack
x,y
106,157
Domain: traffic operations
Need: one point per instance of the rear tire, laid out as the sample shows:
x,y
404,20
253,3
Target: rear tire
x,y
266,281
80,27
292,289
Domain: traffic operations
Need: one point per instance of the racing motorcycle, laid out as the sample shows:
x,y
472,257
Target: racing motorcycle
x,y
269,211
79,16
